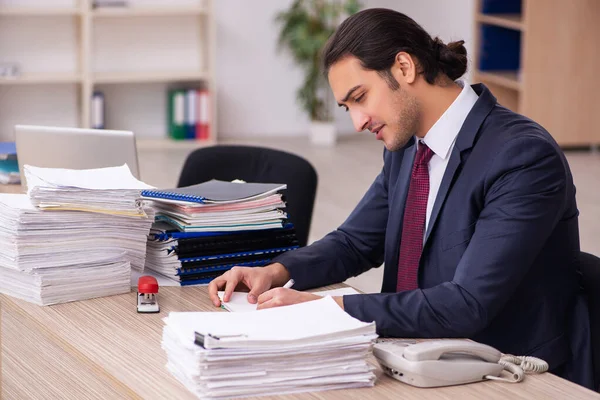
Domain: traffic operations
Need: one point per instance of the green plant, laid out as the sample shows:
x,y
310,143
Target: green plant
x,y
305,28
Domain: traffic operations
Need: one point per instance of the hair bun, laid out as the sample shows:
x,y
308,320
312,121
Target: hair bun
x,y
438,47
452,57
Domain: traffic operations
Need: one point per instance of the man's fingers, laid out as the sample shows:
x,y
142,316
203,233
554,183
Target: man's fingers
x,y
232,282
213,288
257,287
272,302
267,296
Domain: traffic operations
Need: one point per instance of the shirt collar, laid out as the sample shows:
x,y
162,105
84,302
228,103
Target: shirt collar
x,y
443,133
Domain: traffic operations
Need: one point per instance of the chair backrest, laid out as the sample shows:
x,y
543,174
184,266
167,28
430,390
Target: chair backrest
x,y
261,165
590,270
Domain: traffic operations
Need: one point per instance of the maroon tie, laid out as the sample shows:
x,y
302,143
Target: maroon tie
x,y
413,224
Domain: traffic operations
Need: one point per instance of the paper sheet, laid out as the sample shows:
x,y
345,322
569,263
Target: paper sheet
x,y
239,300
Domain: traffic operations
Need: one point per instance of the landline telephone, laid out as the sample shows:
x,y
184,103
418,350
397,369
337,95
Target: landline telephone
x,y
450,362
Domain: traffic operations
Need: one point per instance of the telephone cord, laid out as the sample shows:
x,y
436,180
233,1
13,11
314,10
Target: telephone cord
x,y
518,366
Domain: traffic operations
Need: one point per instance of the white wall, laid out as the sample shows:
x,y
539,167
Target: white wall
x,y
49,44
450,20
256,85
39,45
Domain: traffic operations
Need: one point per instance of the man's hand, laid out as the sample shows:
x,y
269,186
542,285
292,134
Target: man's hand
x,y
283,297
256,279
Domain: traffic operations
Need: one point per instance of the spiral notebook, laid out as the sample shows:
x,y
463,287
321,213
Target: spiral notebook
x,y
215,192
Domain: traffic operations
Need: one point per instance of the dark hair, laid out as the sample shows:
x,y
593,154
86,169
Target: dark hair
x,y
376,35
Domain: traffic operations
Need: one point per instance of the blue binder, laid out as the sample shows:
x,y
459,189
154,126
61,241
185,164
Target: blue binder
x,y
501,6
173,234
500,49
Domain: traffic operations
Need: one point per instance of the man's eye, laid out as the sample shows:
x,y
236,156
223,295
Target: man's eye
x,y
359,98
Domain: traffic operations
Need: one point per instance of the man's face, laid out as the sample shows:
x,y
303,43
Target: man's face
x,y
392,115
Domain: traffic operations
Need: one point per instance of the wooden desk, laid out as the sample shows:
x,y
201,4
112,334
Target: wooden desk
x,y
11,188
104,349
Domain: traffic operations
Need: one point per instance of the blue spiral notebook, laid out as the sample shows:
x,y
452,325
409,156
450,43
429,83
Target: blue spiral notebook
x,y
215,191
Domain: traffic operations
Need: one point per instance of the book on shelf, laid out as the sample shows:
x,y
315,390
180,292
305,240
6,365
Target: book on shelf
x,y
203,125
110,3
191,118
97,110
188,113
176,114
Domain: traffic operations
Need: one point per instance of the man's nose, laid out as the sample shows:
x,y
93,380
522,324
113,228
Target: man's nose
x,y
359,120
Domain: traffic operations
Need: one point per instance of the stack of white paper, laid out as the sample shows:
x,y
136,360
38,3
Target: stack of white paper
x,y
49,257
88,230
112,190
238,302
32,239
311,346
68,282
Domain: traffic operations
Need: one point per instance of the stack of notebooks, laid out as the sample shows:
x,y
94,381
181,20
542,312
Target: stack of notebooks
x,y
305,347
203,230
60,255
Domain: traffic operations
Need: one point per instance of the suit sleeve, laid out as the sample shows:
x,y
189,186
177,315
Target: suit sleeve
x,y
525,198
356,246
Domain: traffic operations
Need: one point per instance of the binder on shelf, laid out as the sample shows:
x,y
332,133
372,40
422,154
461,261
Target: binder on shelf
x,y
501,6
191,113
98,110
500,49
110,3
177,114
203,125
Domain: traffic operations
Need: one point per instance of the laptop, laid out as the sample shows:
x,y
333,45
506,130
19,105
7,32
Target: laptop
x,y
74,148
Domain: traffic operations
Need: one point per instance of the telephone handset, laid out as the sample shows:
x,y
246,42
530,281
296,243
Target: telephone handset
x,y
450,362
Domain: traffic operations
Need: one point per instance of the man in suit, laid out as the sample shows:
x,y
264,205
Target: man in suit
x,y
474,212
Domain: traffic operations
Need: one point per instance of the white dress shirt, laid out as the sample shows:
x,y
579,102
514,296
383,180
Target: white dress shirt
x,y
440,139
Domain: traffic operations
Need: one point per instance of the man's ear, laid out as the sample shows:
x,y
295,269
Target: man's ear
x,y
404,68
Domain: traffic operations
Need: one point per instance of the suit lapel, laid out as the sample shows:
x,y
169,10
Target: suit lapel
x,y
453,163
464,141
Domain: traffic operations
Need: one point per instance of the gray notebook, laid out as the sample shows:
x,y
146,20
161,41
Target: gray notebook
x,y
215,191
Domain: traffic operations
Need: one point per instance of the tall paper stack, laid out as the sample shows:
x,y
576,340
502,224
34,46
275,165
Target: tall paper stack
x,y
311,346
54,254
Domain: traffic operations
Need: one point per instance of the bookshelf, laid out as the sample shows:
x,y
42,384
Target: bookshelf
x,y
135,54
38,11
149,11
539,58
42,78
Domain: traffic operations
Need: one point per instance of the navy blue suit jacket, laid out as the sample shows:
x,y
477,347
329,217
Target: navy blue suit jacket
x,y
500,252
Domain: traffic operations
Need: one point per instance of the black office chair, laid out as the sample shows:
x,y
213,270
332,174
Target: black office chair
x,y
262,165
590,271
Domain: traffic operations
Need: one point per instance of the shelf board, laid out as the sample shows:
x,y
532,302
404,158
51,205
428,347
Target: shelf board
x,y
39,11
146,11
172,144
158,76
510,21
507,79
41,78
